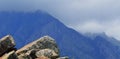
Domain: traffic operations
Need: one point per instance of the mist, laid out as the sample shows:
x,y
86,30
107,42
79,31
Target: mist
x,y
82,15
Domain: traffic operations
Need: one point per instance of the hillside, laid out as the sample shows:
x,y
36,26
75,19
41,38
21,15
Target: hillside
x,y
28,26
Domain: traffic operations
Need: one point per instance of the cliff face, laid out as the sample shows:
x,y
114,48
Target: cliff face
x,y
43,48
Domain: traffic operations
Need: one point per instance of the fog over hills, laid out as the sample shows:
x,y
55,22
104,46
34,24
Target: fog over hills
x,y
83,15
27,26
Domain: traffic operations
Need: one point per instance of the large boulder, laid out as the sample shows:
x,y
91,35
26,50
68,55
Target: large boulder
x,y
6,44
39,45
43,48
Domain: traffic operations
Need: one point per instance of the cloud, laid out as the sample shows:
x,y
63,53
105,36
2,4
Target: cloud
x,y
111,28
90,26
82,15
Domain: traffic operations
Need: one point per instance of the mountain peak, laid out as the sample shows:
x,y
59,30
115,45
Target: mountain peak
x,y
26,27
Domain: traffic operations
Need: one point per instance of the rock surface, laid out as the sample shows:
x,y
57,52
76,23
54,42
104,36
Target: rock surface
x,y
42,43
6,44
10,55
42,57
43,48
47,53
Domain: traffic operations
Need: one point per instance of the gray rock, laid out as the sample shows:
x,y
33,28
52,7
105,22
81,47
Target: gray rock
x,y
32,53
43,57
6,43
47,53
10,55
45,42
43,48
24,56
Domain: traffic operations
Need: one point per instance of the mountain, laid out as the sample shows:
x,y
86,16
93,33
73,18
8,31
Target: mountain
x,y
27,26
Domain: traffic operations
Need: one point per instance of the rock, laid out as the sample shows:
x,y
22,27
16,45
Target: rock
x,y
47,53
62,58
42,43
6,44
32,53
43,48
10,55
43,57
24,56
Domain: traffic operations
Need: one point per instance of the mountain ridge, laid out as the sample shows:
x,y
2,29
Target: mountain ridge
x,y
25,27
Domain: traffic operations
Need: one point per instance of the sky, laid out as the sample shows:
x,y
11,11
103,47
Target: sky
x,y
93,16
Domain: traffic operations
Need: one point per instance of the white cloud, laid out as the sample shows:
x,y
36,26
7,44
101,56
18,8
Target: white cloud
x,y
111,28
90,26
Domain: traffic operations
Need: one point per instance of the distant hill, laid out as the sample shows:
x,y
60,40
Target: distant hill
x,y
27,26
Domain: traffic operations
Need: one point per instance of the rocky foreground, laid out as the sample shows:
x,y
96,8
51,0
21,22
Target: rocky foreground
x,y
43,48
